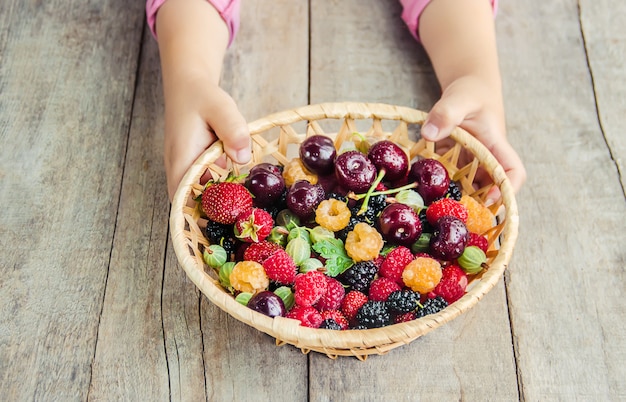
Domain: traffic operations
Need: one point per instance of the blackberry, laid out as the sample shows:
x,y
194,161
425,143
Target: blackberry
x,y
426,226
375,205
330,324
359,276
374,314
454,191
432,306
403,301
230,245
216,231
336,196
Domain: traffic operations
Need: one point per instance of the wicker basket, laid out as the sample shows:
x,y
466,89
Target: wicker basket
x,y
274,138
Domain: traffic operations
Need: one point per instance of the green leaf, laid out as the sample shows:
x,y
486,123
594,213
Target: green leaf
x,y
337,261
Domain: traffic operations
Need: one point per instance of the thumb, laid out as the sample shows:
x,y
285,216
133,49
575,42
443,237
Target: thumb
x,y
231,127
448,113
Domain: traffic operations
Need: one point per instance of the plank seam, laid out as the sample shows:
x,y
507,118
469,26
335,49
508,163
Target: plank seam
x,y
595,97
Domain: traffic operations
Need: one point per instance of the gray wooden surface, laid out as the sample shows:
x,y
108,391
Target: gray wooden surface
x,y
93,305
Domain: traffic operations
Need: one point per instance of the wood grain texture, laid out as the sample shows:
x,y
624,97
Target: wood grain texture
x,y
374,58
130,360
565,289
602,25
66,81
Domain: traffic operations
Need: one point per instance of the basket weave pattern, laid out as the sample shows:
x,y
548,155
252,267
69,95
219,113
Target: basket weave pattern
x,y
274,138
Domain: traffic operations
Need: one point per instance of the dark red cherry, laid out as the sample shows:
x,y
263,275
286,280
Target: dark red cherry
x,y
268,303
266,186
388,156
354,171
303,197
277,170
399,224
449,238
431,177
317,153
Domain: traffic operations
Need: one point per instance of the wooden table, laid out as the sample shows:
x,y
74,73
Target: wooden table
x,y
93,305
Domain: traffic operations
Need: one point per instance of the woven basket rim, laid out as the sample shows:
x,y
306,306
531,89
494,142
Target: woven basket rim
x,y
357,343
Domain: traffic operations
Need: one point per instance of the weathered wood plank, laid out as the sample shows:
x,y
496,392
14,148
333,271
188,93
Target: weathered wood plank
x,y
362,51
605,40
66,77
565,291
130,361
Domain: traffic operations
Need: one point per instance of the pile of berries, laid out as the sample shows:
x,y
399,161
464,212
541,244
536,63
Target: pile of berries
x,y
352,240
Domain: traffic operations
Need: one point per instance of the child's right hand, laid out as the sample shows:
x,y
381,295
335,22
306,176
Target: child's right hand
x,y
196,115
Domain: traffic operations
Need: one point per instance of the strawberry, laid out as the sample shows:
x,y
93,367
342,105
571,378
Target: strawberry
x,y
253,225
224,201
260,251
352,303
443,207
452,285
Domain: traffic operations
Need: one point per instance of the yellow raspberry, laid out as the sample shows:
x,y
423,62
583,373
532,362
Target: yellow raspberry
x,y
363,243
479,217
422,274
295,171
249,276
332,214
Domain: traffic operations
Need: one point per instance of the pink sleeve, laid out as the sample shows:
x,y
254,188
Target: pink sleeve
x,y
228,10
413,9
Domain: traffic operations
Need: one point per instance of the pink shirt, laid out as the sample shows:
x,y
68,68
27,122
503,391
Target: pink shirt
x,y
229,11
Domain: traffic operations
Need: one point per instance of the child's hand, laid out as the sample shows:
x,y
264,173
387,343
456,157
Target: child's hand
x,y
459,38
470,103
192,42
195,117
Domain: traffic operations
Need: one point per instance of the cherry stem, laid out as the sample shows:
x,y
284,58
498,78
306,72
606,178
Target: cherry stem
x,y
385,192
370,191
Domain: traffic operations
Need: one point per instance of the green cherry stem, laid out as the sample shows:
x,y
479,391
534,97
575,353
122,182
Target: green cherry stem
x,y
385,192
370,191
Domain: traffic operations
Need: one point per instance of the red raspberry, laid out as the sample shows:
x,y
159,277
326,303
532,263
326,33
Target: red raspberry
x,y
479,241
443,207
254,225
394,264
352,303
309,288
452,285
259,251
308,316
381,288
333,297
280,267
337,316
406,317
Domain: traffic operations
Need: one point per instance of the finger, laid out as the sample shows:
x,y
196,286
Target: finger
x,y
511,162
448,113
182,147
231,127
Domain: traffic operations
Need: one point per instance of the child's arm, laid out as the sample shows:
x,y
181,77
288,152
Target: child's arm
x,y
192,41
459,37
